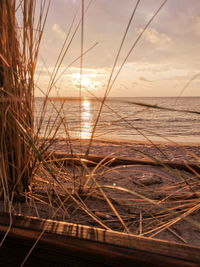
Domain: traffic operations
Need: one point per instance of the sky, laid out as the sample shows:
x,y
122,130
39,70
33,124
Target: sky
x,y
165,61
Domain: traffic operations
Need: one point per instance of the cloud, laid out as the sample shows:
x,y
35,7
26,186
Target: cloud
x,y
186,25
58,30
144,79
197,25
155,37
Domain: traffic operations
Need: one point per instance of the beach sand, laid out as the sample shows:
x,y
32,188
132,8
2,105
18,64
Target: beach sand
x,y
182,152
157,202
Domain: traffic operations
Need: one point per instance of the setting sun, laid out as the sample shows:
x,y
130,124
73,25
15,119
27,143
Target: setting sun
x,y
87,81
84,79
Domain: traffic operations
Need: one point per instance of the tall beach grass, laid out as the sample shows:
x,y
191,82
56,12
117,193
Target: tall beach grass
x,y
19,44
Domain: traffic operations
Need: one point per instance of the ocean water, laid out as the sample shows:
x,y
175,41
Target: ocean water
x,y
120,119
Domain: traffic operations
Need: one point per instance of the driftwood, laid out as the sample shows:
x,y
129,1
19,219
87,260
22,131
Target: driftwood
x,y
93,159
67,244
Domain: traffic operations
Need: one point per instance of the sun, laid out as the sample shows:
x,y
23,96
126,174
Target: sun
x,y
84,79
88,81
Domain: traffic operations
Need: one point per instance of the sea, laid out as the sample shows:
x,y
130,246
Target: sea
x,y
127,118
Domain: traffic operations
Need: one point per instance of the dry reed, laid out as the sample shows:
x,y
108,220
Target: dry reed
x,y
19,46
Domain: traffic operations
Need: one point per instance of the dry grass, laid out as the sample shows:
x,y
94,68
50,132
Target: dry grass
x,y
19,46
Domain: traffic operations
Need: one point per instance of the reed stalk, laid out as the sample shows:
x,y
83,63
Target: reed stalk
x,y
19,44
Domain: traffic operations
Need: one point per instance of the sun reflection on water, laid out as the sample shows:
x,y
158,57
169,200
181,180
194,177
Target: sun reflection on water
x,y
86,118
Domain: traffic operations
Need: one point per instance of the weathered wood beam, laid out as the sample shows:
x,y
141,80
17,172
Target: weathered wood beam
x,y
93,159
67,244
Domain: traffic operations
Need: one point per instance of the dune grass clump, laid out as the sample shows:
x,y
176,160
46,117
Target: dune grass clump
x,y
19,44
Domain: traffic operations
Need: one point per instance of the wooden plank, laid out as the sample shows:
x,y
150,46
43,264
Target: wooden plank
x,y
79,245
93,159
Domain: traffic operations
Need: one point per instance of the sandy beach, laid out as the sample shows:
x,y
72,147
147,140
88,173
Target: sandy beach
x,y
158,202
181,152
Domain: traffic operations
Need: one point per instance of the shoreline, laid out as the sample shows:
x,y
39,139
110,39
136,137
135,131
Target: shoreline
x,y
142,142
131,142
126,141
